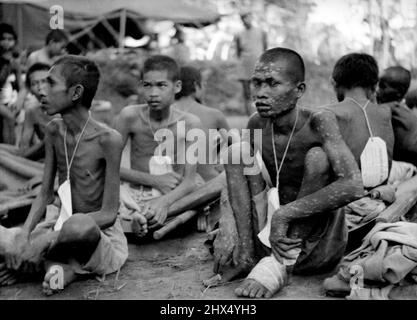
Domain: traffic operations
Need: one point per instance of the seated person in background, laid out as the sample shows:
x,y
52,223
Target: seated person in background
x,y
85,236
160,173
186,100
7,99
299,224
32,145
354,79
55,47
392,88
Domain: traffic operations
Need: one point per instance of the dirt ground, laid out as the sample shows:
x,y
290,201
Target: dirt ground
x,y
169,269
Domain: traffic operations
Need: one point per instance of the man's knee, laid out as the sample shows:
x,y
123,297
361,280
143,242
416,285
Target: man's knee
x,y
80,228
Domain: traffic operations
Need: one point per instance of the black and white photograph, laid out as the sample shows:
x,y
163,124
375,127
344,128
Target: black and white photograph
x,y
216,150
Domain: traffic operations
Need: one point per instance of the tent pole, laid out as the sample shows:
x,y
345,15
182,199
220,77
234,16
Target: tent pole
x,y
122,29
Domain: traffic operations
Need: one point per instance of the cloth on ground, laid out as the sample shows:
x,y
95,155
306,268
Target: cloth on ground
x,y
387,254
109,256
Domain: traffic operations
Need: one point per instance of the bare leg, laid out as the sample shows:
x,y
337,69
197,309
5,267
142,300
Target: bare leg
x,y
77,240
315,177
235,251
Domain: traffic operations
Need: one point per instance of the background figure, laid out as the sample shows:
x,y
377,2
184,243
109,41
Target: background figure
x,y
55,46
179,50
250,44
7,101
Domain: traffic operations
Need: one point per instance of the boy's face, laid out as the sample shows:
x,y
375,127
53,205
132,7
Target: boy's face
x,y
385,92
273,92
55,96
7,41
159,90
38,81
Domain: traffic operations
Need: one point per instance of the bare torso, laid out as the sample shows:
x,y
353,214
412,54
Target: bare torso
x,y
354,129
87,174
143,144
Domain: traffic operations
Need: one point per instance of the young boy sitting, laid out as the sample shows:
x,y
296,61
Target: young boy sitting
x,y
157,179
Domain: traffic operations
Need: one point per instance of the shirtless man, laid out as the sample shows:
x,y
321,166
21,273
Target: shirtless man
x,y
354,79
36,118
317,175
145,125
191,92
86,155
392,88
55,44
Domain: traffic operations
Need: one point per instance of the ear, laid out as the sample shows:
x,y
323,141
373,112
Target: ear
x,y
177,86
301,88
332,82
78,91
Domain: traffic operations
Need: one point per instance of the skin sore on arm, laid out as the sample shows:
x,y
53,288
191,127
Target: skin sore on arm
x,y
348,185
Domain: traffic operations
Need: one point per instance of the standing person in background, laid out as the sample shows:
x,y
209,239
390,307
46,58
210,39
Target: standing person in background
x,y
250,44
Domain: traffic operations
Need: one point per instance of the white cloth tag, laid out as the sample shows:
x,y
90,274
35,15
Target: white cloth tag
x,y
374,162
273,205
159,165
64,193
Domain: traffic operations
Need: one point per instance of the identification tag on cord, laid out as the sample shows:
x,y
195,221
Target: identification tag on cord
x,y
64,193
374,162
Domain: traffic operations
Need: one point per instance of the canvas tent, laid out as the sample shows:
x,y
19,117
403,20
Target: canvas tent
x,y
102,21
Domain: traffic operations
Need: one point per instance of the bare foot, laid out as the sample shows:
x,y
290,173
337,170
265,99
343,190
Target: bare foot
x,y
139,224
229,274
267,278
57,278
7,277
253,289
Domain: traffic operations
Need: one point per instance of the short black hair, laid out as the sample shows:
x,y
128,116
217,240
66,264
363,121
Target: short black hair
x,y
295,63
399,79
190,77
33,68
80,70
7,28
161,63
5,70
356,70
411,99
56,35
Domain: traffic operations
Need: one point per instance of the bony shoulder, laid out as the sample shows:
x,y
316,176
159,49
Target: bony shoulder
x,y
53,126
132,111
109,137
255,121
321,118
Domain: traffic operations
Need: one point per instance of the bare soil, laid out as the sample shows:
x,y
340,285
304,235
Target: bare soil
x,y
168,269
